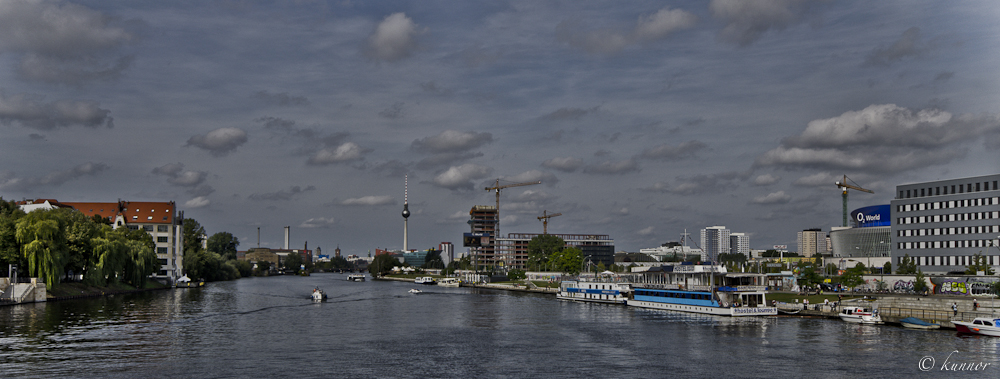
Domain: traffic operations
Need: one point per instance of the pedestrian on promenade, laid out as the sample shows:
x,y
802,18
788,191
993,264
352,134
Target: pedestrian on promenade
x,y
975,304
954,308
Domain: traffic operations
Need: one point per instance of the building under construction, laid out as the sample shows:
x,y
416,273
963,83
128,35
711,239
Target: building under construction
x,y
595,248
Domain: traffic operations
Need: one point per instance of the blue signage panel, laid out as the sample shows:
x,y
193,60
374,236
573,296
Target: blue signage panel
x,y
875,215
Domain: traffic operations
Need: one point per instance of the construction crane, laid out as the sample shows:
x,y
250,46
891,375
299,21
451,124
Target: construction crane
x,y
497,187
844,186
544,218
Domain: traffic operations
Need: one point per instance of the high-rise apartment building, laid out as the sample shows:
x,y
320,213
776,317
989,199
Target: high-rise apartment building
x,y
715,241
739,243
811,242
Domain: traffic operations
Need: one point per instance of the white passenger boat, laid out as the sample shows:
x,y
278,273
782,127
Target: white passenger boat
x,y
859,315
981,325
692,288
318,294
448,282
593,291
356,277
424,280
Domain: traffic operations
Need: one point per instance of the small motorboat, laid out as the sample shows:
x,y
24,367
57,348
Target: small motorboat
x,y
356,277
449,282
424,280
318,294
415,291
981,325
859,315
916,323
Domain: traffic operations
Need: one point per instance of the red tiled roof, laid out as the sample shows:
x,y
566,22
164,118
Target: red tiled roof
x,y
140,212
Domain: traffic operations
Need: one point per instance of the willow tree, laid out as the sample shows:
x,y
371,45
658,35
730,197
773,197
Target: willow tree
x,y
42,235
123,255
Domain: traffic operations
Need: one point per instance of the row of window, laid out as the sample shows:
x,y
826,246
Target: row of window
x,y
149,228
954,260
948,218
679,295
947,190
943,244
948,204
948,231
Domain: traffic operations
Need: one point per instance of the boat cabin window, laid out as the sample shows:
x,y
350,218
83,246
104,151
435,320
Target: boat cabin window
x,y
977,322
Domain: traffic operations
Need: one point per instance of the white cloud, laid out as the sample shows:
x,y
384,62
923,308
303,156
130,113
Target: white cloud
x,y
818,179
198,202
369,200
646,231
547,178
461,177
394,38
219,142
881,138
773,198
346,152
318,223
766,180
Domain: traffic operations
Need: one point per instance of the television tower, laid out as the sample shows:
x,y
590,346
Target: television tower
x,y
406,211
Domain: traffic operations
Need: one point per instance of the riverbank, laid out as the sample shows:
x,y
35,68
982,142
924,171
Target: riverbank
x,y
519,287
68,291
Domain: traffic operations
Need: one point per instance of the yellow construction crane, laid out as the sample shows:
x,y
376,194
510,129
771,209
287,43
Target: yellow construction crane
x,y
544,218
843,185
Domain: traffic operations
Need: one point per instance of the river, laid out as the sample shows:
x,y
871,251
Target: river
x,y
268,327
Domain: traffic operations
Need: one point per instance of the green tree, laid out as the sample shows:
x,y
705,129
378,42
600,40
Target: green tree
x,y
907,266
42,233
541,248
516,274
853,276
887,268
80,234
194,235
224,244
920,282
10,249
568,260
382,264
978,264
293,262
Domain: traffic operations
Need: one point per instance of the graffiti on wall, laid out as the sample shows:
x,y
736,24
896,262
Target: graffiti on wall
x,y
903,286
962,286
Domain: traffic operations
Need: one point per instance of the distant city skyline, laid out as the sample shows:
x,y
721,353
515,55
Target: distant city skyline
x,y
641,119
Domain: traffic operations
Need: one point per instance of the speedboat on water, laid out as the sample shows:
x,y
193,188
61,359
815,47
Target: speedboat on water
x,y
859,315
981,325
916,323
415,291
318,294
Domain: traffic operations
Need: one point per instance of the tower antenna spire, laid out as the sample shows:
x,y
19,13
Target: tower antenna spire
x,y
406,210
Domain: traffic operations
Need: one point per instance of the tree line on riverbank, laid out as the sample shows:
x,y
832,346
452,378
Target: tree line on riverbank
x,y
64,244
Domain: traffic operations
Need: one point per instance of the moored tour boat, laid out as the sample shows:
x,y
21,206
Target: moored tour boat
x,y
692,288
981,325
859,315
448,282
424,280
593,291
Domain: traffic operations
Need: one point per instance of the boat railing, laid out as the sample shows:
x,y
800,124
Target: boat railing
x,y
931,314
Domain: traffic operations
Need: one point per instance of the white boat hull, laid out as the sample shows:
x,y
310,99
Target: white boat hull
x,y
585,298
719,311
968,327
873,320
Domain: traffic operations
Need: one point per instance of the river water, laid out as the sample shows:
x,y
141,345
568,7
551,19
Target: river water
x,y
268,327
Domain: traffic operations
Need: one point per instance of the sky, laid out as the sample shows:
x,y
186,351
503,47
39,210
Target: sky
x,y
641,119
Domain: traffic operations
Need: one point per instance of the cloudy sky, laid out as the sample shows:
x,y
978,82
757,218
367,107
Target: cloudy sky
x,y
640,118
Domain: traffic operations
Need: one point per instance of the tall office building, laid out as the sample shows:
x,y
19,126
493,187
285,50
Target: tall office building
x,y
943,224
811,242
483,221
715,241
